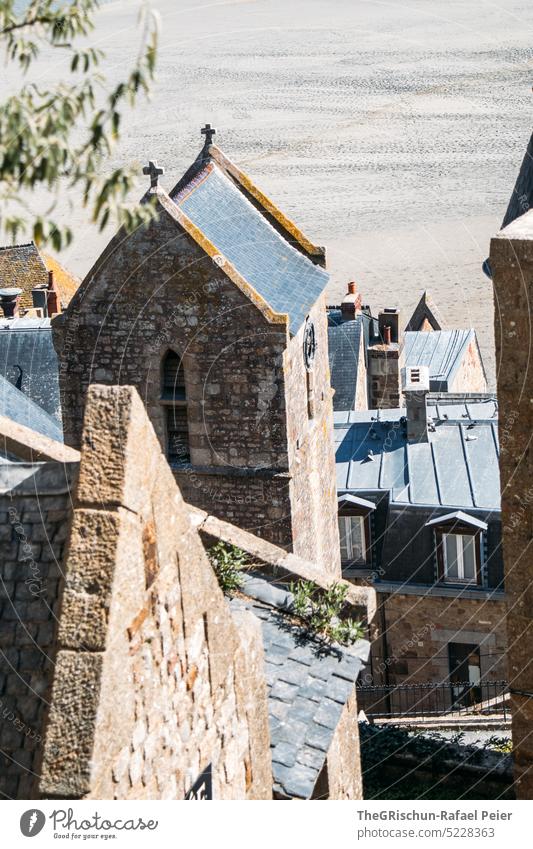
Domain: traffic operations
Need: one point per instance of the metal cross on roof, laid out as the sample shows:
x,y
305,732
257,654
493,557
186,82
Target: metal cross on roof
x,y
154,172
208,131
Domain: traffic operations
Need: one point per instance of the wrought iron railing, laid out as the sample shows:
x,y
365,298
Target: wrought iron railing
x,y
486,698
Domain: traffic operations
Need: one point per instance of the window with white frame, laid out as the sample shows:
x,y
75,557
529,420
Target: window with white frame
x,y
352,531
460,556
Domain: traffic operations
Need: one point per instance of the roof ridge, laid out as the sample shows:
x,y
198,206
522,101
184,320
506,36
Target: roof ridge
x,y
20,245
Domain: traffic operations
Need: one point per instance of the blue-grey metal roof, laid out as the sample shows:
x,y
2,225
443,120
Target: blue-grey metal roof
x,y
457,467
458,516
21,409
440,350
28,360
288,281
308,687
344,345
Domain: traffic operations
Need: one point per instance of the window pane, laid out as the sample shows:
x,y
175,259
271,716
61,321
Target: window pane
x,y
343,537
173,378
357,537
469,558
450,555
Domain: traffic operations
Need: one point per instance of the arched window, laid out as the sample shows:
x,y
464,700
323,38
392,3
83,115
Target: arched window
x,y
173,398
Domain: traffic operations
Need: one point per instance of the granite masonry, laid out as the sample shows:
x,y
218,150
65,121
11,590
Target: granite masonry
x,y
155,684
242,317
511,261
35,501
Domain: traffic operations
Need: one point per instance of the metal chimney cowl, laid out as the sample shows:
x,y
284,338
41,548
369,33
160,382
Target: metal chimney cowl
x,y
9,301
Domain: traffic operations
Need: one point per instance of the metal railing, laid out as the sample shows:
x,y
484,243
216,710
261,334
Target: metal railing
x,y
434,699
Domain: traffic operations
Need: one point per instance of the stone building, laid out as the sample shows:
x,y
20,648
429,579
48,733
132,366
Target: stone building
x,y
153,685
215,312
367,354
419,515
43,282
511,263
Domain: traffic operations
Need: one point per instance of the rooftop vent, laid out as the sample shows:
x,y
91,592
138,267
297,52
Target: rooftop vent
x,y
415,379
415,386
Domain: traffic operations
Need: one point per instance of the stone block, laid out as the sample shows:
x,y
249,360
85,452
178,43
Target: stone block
x,y
67,766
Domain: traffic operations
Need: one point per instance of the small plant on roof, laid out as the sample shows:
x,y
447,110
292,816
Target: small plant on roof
x,y
321,611
228,562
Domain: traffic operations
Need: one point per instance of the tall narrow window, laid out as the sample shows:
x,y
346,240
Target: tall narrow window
x,y
460,558
353,537
173,398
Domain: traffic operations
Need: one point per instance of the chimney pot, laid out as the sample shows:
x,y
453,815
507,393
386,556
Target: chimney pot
x,y
389,317
9,301
351,303
387,334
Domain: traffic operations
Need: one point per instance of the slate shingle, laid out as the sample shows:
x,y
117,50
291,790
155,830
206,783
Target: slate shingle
x,y
308,688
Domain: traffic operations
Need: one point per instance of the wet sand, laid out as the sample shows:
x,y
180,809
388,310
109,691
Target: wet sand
x,y
390,131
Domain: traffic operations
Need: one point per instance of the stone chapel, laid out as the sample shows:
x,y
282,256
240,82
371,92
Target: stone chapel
x,y
215,313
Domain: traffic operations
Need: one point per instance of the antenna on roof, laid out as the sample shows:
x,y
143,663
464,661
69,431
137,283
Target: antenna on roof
x,y
208,131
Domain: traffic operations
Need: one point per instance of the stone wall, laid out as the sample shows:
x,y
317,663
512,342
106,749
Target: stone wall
x,y
361,388
154,681
339,779
247,390
418,628
511,258
35,507
384,374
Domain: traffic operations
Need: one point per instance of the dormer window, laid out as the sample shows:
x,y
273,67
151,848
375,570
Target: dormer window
x,y
459,543
354,531
354,543
174,401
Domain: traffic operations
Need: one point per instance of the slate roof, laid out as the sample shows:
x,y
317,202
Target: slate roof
x,y
24,267
522,197
344,345
21,409
344,341
286,279
308,687
441,351
28,360
425,310
457,467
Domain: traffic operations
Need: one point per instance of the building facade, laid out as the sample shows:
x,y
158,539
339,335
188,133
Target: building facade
x,y
215,313
419,518
511,262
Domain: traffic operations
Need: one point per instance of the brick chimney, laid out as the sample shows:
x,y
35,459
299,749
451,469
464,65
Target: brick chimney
x,y
9,301
415,385
54,303
351,303
389,325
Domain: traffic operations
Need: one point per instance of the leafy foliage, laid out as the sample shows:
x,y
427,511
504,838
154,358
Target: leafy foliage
x,y
65,132
228,562
321,610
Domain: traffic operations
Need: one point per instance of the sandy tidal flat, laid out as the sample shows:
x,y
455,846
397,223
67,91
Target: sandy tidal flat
x,y
390,131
